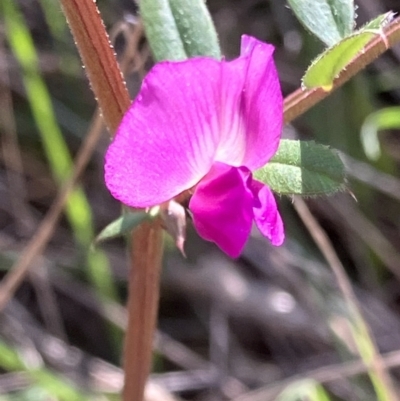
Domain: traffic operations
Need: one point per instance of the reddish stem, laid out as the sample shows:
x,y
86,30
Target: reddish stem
x,y
143,307
109,88
98,58
111,93
301,100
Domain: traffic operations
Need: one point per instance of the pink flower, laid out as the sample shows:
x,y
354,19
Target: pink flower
x,y
204,125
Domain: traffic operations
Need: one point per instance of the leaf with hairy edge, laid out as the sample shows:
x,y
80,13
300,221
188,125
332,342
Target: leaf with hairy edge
x,y
161,30
303,168
329,20
178,29
196,28
328,66
125,223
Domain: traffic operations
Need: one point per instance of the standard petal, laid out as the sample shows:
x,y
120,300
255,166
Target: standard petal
x,y
222,208
266,213
252,107
263,103
168,138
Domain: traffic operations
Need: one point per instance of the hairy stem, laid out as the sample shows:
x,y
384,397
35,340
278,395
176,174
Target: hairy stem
x,y
112,96
142,307
98,58
146,242
301,100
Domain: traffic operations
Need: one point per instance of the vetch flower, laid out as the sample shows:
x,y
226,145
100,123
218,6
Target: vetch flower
x,y
204,125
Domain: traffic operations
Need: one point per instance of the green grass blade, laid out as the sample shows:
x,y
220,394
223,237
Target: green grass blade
x,y
78,209
54,385
307,389
54,18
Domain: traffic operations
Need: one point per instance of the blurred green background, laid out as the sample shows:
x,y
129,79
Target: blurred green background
x,y
271,325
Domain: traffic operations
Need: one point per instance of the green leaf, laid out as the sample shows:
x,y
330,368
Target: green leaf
x,y
387,118
379,22
178,29
330,63
124,224
303,168
196,28
328,66
161,30
329,20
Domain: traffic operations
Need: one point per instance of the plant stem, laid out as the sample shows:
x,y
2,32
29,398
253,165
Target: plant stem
x,y
111,93
142,307
301,100
99,60
146,241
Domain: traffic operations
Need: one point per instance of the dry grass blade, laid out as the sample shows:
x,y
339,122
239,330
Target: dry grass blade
x,y
326,374
369,175
369,233
35,247
372,358
43,234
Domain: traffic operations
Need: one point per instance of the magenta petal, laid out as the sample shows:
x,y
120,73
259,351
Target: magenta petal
x,y
266,214
167,140
252,107
263,103
191,114
222,208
